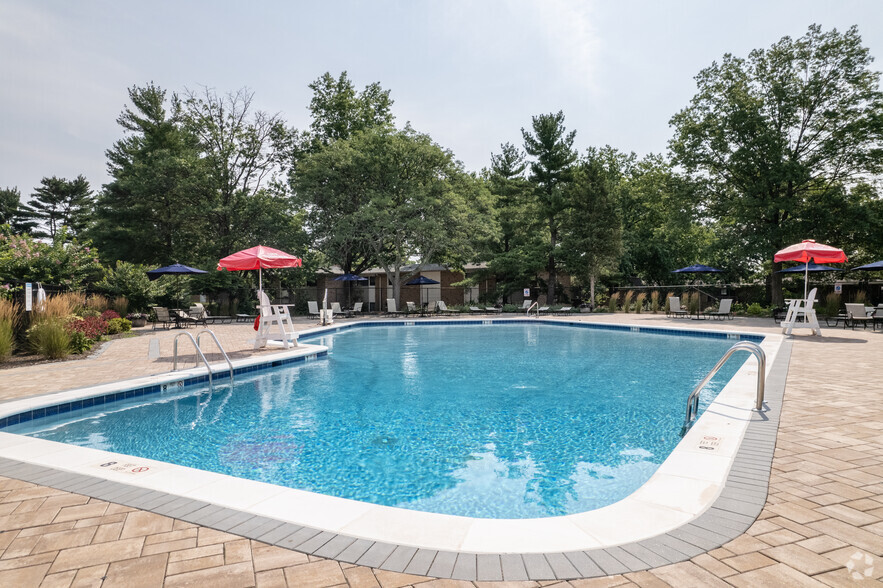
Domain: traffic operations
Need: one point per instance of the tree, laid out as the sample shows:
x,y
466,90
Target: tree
x,y
59,202
15,213
591,227
779,131
517,254
552,149
339,111
238,149
153,210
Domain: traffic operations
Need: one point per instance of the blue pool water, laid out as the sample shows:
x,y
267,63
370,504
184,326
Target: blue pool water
x,y
503,421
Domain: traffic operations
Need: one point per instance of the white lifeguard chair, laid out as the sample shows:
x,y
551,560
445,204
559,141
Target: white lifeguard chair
x,y
802,309
275,324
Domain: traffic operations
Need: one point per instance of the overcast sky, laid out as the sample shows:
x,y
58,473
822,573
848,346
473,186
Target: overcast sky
x,y
469,73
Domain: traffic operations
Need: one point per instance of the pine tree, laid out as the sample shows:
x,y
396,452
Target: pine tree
x,y
59,202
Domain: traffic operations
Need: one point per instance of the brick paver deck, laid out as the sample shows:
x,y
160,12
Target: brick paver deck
x,y
822,524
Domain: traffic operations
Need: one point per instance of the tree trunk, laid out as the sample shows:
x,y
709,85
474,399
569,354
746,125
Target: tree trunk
x,y
592,291
550,267
776,286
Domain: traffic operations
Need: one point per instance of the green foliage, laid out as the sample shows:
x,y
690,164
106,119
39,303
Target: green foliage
x,y
130,280
832,304
118,325
510,308
756,309
780,136
551,147
64,262
860,297
79,342
59,202
49,338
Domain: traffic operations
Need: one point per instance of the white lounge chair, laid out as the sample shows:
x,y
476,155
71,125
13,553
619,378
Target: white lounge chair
x,y
802,309
674,307
564,310
391,307
411,308
275,320
442,308
335,308
357,307
525,305
475,310
493,309
724,310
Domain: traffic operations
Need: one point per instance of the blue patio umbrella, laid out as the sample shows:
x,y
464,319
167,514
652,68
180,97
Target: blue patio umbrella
x,y
349,278
421,281
810,267
697,269
176,269
877,265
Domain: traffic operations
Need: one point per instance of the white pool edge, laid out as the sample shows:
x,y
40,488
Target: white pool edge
x,y
685,485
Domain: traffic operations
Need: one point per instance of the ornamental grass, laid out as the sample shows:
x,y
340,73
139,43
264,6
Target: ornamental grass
x,y
654,301
627,300
639,302
10,315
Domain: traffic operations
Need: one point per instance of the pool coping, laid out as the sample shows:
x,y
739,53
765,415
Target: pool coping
x,y
735,508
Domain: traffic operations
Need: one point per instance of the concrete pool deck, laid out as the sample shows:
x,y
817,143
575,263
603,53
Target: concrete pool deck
x,y
825,504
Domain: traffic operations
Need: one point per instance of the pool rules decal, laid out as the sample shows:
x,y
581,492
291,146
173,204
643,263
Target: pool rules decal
x,y
124,467
709,443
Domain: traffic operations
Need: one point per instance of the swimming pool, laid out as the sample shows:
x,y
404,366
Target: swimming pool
x,y
510,420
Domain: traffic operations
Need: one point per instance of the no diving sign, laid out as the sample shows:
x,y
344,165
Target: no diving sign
x,y
124,467
709,442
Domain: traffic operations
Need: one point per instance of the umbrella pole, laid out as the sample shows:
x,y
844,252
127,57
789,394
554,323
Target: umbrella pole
x,y
805,278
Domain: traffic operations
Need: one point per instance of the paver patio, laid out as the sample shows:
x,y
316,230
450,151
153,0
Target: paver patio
x,y
824,510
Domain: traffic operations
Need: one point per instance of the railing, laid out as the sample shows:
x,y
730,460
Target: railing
x,y
537,304
220,348
693,399
199,354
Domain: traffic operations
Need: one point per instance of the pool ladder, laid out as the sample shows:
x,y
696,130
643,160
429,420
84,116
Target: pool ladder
x,y
537,304
201,355
693,399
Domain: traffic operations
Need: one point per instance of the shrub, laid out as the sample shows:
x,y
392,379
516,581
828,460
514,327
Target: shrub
x,y
756,309
9,319
612,301
96,302
639,302
118,325
654,301
627,300
693,303
861,297
55,307
121,305
108,315
80,343
91,326
832,304
50,338
510,308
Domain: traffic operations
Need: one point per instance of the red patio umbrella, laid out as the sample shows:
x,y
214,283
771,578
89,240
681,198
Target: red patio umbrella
x,y
258,258
808,250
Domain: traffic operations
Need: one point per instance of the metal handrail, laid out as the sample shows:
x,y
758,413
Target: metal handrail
x,y
529,308
220,348
693,399
198,352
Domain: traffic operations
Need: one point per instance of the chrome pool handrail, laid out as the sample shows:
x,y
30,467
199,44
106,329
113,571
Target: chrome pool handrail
x,y
198,353
220,348
537,304
693,399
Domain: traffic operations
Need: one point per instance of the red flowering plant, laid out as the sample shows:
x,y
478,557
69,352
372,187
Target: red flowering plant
x,y
110,314
93,327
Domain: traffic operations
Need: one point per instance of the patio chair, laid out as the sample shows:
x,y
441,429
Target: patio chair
x,y
198,313
544,310
493,310
442,308
564,310
525,305
336,309
803,309
724,310
674,307
475,310
411,308
162,317
275,320
857,314
357,307
313,308
391,307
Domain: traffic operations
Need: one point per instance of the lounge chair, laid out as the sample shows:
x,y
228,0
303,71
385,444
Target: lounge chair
x,y
525,305
411,308
858,316
674,307
197,313
724,310
391,307
564,310
162,317
493,310
475,310
442,308
357,307
336,309
544,310
313,308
